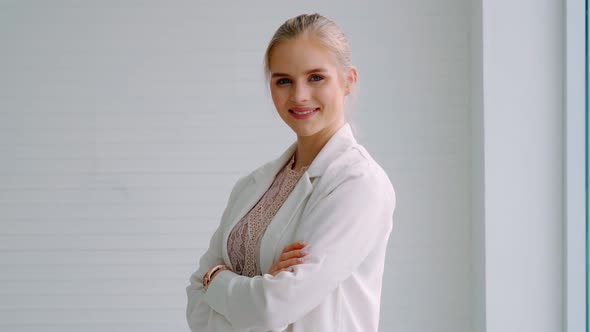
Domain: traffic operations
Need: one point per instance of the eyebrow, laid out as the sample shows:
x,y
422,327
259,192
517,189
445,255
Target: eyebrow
x,y
316,70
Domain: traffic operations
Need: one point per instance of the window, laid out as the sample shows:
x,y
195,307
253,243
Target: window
x,y
576,166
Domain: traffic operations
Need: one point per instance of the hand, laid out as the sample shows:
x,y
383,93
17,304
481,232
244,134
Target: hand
x,y
292,255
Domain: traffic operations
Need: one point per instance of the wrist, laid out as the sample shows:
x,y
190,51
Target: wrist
x,y
214,274
208,277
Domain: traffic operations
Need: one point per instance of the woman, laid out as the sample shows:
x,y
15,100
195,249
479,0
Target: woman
x,y
325,190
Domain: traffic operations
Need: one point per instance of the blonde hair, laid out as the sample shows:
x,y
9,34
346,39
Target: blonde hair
x,y
327,33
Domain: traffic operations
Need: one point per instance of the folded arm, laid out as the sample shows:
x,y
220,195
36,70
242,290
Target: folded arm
x,y
341,228
200,316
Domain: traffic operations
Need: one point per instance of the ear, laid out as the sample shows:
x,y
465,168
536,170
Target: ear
x,y
351,79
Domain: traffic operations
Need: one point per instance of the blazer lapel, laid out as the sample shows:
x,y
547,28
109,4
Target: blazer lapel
x,y
271,237
263,178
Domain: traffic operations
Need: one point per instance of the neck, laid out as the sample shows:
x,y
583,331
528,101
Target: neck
x,y
308,147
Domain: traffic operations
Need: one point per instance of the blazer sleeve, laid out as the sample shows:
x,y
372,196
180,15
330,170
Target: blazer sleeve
x,y
200,316
341,229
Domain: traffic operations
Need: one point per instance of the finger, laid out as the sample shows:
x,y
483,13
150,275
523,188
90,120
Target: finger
x,y
295,245
279,271
290,262
276,272
294,253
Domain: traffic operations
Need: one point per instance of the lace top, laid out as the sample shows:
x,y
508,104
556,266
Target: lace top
x,y
243,245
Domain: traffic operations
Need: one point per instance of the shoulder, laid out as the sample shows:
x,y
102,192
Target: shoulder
x,y
240,184
353,186
357,171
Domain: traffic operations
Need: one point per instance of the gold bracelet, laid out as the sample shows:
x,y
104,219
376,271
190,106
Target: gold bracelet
x,y
207,277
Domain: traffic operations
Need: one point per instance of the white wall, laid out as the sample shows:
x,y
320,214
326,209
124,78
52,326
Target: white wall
x,y
123,126
521,157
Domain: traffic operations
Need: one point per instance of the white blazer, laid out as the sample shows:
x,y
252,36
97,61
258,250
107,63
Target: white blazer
x,y
343,207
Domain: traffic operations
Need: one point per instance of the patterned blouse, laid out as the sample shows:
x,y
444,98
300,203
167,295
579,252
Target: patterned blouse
x,y
243,245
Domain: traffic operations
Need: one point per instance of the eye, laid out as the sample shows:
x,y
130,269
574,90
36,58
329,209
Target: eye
x,y
280,80
317,76
314,78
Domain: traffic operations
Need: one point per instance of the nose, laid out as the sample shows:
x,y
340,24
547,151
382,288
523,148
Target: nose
x,y
299,93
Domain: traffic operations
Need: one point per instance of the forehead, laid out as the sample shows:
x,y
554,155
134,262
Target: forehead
x,y
299,56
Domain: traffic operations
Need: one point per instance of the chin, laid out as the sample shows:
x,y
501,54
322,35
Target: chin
x,y
303,131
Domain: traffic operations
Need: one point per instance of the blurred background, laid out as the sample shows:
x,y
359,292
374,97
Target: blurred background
x,y
125,124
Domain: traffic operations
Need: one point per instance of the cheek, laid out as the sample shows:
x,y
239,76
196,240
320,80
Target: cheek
x,y
327,94
277,95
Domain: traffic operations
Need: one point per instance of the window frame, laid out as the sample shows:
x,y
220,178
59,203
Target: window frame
x,y
576,166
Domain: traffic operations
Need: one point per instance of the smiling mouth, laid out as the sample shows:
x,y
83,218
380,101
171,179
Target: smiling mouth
x,y
304,112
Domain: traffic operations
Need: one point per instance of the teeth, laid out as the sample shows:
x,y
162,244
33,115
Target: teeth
x,y
303,113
